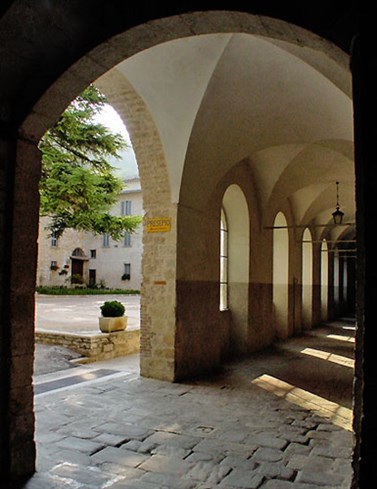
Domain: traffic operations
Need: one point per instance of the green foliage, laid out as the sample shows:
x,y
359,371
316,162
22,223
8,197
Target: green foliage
x,y
77,186
112,309
77,279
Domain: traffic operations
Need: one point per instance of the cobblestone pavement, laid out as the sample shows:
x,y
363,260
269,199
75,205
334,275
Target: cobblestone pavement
x,y
280,420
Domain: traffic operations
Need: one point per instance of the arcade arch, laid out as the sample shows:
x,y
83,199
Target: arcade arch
x,y
280,274
180,175
324,280
168,189
307,279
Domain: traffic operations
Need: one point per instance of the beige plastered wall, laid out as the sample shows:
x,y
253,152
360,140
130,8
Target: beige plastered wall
x,y
205,335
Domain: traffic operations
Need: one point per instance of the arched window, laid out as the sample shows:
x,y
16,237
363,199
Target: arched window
x,y
223,262
336,279
78,252
237,259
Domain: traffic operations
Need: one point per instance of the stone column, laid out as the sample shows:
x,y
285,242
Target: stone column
x,y
365,404
19,231
158,296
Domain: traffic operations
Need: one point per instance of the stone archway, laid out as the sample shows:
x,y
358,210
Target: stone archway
x,y
154,169
157,287
45,112
281,274
307,280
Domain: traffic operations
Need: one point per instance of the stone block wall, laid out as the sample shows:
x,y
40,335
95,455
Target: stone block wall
x,y
102,346
158,292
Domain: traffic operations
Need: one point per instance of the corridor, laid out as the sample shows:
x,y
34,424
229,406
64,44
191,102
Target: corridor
x,y
279,420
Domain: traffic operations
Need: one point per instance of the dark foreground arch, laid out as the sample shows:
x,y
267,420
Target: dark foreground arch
x,y
39,41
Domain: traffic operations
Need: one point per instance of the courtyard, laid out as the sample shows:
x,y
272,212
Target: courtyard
x,y
63,316
79,313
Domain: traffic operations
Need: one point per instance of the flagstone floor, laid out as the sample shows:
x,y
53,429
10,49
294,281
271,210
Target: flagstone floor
x,y
279,420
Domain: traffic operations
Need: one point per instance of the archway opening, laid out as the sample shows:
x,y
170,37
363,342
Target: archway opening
x,y
324,280
307,280
238,278
280,274
336,281
99,268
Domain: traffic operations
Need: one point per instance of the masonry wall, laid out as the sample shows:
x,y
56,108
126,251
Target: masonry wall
x,y
93,348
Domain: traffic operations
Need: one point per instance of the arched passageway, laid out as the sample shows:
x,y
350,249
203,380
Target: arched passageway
x,y
281,274
307,280
185,172
324,280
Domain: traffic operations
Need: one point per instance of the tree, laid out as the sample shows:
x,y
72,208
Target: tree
x,y
78,186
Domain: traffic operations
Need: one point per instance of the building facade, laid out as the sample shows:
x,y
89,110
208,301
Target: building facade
x,y
79,257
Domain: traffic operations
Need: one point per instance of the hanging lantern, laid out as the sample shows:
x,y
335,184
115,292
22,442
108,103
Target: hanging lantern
x,y
337,214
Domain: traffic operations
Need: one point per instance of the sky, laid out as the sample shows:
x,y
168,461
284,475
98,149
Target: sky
x,y
127,166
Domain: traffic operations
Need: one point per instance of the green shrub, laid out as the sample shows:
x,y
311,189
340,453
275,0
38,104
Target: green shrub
x,y
77,279
112,309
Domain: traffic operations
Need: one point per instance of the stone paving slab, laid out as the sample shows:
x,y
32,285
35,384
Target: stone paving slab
x,y
225,432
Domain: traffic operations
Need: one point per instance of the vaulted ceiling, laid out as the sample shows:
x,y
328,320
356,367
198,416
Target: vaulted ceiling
x,y
221,98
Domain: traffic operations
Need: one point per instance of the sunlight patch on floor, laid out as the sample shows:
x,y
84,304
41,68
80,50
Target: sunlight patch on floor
x,y
348,339
330,357
337,414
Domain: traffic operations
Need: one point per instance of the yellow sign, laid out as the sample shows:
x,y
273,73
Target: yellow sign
x,y
158,224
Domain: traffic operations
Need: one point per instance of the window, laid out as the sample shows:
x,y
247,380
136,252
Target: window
x,y
127,272
93,253
53,265
54,240
127,239
78,252
106,240
92,276
126,207
223,262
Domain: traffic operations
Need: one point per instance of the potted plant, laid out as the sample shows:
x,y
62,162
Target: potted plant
x,y
112,317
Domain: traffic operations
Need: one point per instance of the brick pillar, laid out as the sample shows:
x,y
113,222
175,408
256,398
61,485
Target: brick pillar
x,y
19,232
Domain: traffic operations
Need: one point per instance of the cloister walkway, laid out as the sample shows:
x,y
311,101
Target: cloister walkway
x,y
279,420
